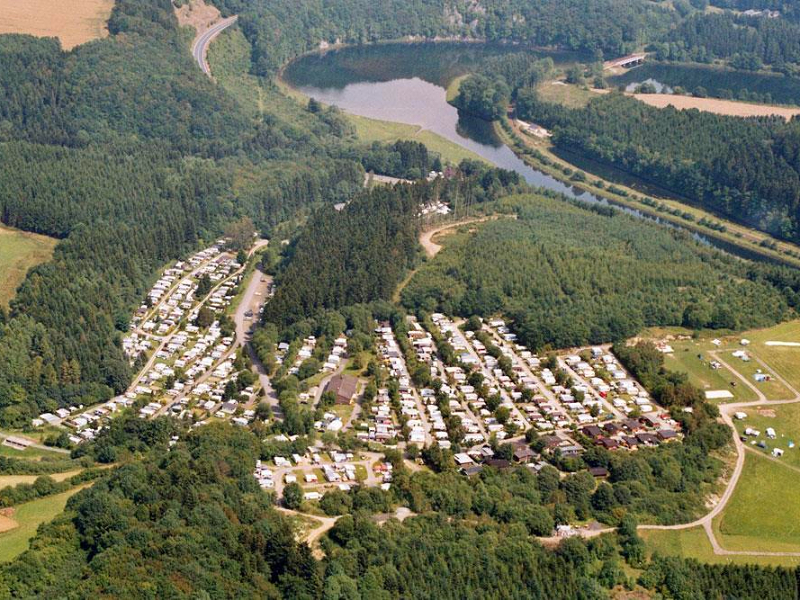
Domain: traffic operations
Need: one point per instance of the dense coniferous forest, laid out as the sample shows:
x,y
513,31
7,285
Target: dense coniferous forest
x,y
745,169
361,253
603,277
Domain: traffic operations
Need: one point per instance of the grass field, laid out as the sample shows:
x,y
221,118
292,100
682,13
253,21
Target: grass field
x,y
785,420
28,517
694,543
14,480
569,95
764,513
28,453
19,251
686,359
372,130
772,389
783,360
72,21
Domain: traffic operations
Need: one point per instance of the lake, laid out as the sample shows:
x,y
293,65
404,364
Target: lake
x,y
406,83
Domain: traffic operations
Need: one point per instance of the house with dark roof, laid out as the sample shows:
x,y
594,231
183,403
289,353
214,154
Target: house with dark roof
x,y
343,387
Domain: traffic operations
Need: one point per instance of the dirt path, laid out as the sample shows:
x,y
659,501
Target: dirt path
x,y
432,248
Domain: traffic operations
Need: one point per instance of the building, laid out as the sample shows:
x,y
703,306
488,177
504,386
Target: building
x,y
343,387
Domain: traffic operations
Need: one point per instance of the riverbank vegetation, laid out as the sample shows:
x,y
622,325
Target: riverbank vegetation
x,y
751,177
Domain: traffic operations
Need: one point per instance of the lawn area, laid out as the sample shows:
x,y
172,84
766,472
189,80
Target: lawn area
x,y
28,517
785,420
694,543
687,359
19,251
764,512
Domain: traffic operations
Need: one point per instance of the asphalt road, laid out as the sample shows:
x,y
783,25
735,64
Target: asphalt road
x,y
202,41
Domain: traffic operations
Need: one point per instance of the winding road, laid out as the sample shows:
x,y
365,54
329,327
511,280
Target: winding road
x,y
202,41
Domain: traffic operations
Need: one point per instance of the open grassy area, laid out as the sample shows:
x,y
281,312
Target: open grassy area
x,y
72,21
19,251
373,130
568,95
28,517
691,357
785,420
29,453
14,480
764,512
784,360
772,389
694,543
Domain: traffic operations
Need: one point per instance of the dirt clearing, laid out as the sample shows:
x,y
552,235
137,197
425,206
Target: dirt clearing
x,y
7,522
198,14
720,107
72,21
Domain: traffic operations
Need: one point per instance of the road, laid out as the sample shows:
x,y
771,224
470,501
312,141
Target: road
x,y
202,41
726,410
253,299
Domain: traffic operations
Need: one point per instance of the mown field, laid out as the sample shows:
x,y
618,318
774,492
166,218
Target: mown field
x,y
691,357
785,420
28,517
72,21
19,252
694,543
763,514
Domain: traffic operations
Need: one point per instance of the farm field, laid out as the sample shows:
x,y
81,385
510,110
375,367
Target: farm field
x,y
721,107
762,514
28,517
19,251
72,21
694,543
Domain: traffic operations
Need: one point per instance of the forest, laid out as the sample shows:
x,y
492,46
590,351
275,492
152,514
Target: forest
x,y
124,151
603,277
361,253
744,169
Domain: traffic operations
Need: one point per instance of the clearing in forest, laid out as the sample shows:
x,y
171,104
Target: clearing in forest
x,y
72,21
721,107
19,251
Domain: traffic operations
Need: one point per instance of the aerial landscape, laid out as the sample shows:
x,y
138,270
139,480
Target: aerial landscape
x,y
431,299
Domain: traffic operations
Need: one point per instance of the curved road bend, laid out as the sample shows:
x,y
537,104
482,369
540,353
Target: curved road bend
x,y
202,41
